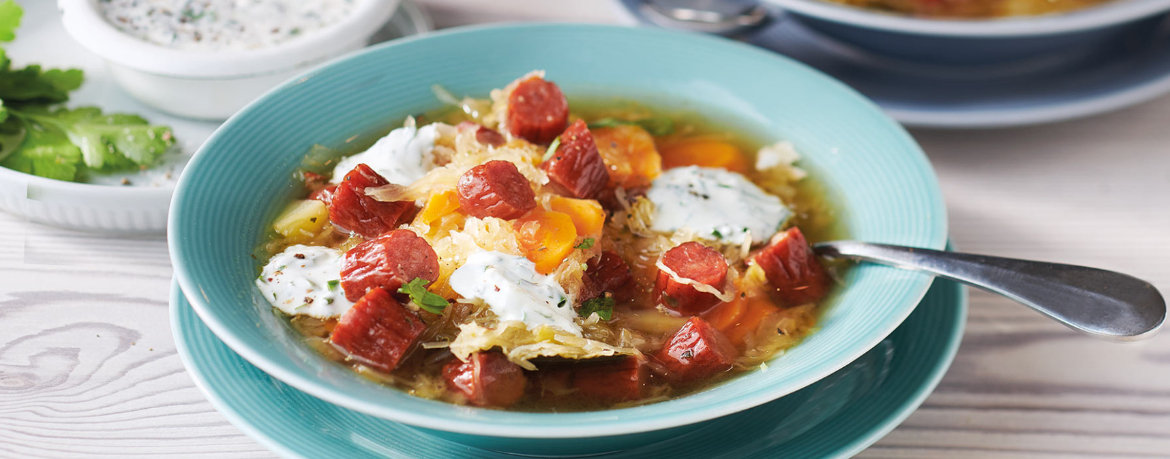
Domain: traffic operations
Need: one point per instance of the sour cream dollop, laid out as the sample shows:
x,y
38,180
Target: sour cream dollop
x,y
715,204
512,288
402,157
305,280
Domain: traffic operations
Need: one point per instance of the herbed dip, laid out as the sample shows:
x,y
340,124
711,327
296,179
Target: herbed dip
x,y
218,25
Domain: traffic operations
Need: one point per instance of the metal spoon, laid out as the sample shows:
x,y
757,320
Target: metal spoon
x,y
1104,304
721,17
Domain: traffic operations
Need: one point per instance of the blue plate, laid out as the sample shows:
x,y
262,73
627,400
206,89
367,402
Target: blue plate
x,y
834,417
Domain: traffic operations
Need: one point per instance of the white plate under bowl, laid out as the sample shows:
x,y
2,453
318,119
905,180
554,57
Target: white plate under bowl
x,y
104,204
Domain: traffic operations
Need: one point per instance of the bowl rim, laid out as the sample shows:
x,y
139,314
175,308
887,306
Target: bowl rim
x,y
1093,17
536,429
90,29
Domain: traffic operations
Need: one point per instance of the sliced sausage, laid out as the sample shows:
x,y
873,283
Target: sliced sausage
x,y
353,210
388,262
608,273
576,168
537,111
694,261
697,351
378,330
486,379
793,269
495,189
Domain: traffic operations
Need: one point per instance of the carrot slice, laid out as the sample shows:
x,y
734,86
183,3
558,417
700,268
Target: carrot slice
x,y
630,154
438,205
588,216
704,152
740,317
547,237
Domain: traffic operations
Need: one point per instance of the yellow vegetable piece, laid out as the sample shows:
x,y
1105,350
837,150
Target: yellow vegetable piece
x,y
302,221
704,152
588,216
438,205
547,238
629,154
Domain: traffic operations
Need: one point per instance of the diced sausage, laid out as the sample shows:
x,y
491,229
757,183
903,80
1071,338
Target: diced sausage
x,y
495,189
487,136
697,351
793,269
537,111
325,194
608,273
319,187
483,134
486,379
605,382
388,262
314,181
353,210
612,382
576,168
378,330
694,261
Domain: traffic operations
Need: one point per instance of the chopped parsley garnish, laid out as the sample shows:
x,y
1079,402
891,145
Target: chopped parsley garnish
x,y
417,290
657,126
602,305
39,136
585,244
333,283
552,149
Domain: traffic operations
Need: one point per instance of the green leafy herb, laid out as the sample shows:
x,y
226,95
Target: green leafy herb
x,y
333,283
10,14
54,142
417,290
657,126
585,244
602,305
552,149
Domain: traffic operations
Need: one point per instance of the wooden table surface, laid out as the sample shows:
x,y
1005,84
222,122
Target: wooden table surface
x,y
88,367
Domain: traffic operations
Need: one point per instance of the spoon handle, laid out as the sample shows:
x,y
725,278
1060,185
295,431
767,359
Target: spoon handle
x,y
1104,304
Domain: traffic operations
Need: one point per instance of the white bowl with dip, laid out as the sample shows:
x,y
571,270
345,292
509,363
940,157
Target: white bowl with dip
x,y
210,70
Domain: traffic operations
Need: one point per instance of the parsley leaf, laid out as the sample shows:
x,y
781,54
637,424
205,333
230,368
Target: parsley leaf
x,y
60,143
333,283
42,153
602,305
552,149
585,244
657,126
417,290
33,85
103,142
10,14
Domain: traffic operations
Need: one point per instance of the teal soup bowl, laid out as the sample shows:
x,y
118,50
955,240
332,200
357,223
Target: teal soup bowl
x,y
884,186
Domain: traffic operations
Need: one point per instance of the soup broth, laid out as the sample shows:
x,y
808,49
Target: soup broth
x,y
622,355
